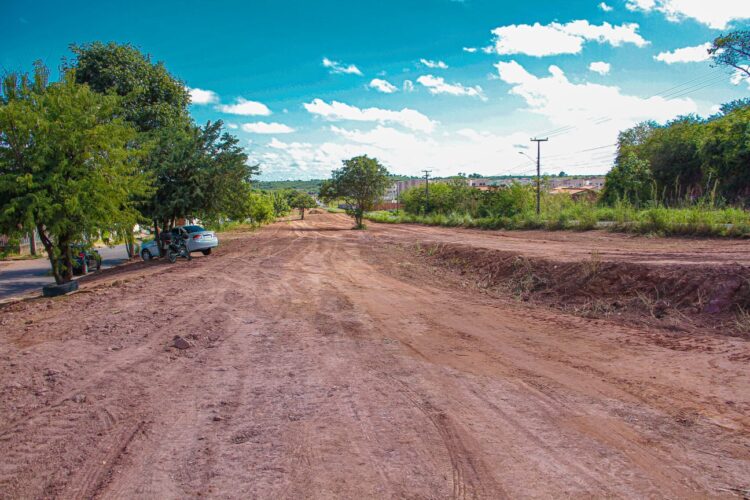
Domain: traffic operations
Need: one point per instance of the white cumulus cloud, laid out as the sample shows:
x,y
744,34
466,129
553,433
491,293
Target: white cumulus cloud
x,y
267,128
383,86
699,53
201,96
600,67
740,76
470,50
408,86
434,64
438,85
606,8
244,107
587,104
337,67
716,14
552,39
337,111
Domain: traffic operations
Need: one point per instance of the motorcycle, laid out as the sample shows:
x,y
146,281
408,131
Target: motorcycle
x,y
178,248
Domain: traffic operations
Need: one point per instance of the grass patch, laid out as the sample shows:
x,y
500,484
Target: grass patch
x,y
691,221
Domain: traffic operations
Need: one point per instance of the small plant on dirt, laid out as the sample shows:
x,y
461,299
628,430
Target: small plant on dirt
x,y
524,280
592,265
742,320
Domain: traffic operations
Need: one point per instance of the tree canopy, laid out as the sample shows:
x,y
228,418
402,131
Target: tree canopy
x,y
361,182
66,167
196,171
151,97
732,50
685,159
301,201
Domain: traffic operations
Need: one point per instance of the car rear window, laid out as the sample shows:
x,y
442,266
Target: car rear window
x,y
194,229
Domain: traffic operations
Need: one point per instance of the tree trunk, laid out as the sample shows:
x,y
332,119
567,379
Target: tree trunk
x,y
32,242
302,212
157,237
67,258
130,244
49,248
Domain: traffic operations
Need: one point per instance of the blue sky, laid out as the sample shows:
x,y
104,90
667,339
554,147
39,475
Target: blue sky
x,y
454,86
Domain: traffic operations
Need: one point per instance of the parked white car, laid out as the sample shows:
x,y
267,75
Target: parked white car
x,y
199,240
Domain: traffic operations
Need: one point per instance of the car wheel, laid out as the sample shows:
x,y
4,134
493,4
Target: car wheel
x,y
146,255
207,251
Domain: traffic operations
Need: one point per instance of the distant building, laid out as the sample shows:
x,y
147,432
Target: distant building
x,y
394,191
582,193
594,182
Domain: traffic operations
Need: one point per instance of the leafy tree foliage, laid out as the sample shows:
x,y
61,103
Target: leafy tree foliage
x,y
725,155
456,197
361,182
151,97
280,203
629,180
261,207
302,201
197,171
688,158
732,50
65,165
672,153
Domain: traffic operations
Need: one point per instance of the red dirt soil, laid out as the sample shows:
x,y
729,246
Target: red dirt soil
x,y
326,362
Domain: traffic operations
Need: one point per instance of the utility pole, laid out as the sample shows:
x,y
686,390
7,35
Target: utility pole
x,y
538,171
427,190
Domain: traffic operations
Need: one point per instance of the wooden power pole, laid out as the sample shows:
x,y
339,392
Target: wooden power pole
x,y
539,172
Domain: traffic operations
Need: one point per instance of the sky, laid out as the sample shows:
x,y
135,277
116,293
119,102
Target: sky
x,y
446,85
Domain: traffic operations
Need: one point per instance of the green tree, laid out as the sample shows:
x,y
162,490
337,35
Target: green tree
x,y
153,100
199,172
65,165
280,203
361,182
732,50
730,106
301,201
725,155
629,180
261,207
631,140
672,154
151,97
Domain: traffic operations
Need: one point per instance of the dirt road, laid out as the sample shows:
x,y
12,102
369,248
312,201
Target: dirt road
x,y
327,363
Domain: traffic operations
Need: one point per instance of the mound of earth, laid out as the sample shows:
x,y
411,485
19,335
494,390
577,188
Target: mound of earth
x,y
715,296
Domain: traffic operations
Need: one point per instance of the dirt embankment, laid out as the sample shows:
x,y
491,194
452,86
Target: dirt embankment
x,y
675,296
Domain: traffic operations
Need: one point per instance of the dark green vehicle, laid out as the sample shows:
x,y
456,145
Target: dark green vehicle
x,y
85,259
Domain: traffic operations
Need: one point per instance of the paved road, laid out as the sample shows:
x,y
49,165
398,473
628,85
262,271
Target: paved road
x,y
23,276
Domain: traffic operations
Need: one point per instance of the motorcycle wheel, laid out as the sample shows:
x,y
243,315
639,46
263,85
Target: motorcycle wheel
x,y
172,256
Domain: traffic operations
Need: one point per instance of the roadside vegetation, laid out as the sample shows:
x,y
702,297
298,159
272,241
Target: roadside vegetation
x,y
687,177
109,146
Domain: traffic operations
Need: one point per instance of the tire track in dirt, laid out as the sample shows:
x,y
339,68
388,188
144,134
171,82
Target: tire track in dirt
x,y
336,370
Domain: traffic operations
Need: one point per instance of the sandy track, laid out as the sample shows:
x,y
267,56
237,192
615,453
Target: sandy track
x,y
325,364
